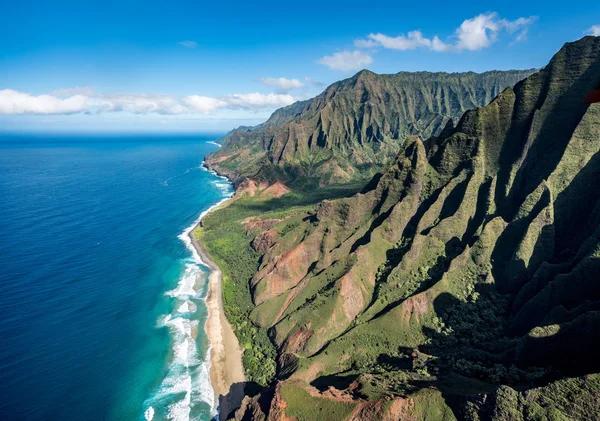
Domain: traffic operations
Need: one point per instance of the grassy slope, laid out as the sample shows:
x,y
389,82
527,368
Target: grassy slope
x,y
492,281
304,407
229,245
470,267
573,399
230,249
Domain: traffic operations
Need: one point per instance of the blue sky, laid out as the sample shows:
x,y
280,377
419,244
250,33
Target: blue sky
x,y
197,66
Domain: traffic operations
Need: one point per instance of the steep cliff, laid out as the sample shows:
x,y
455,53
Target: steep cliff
x,y
355,126
471,266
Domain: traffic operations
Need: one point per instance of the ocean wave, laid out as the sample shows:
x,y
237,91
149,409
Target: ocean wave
x,y
185,287
224,187
185,235
187,307
187,382
149,414
214,143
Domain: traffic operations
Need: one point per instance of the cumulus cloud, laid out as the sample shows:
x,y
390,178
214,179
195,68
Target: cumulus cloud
x,y
478,32
482,31
73,91
413,40
594,30
347,60
203,104
136,104
14,102
282,84
366,43
473,34
60,102
188,44
519,26
257,101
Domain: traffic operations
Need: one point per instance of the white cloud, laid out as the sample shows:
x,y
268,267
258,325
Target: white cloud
x,y
203,104
73,91
14,102
482,31
414,40
347,60
472,35
440,46
188,44
594,30
257,101
366,43
516,24
252,102
282,84
478,32
137,104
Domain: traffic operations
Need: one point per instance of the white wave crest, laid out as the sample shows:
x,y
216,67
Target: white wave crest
x,y
185,235
187,307
149,414
187,382
185,286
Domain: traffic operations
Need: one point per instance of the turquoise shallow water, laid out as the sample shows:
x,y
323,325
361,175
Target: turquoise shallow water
x,y
100,298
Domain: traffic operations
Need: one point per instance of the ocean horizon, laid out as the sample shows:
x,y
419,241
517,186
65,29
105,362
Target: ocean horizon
x,y
102,296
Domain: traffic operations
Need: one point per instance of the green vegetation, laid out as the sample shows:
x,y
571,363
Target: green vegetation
x,y
575,399
230,249
224,236
460,283
336,137
430,405
302,405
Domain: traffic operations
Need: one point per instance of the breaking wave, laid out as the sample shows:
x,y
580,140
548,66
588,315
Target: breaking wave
x,y
186,392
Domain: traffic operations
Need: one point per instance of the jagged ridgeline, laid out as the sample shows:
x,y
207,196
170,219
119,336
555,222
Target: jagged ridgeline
x,y
355,126
472,262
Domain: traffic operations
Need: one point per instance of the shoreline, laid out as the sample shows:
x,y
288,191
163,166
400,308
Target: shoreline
x,y
226,368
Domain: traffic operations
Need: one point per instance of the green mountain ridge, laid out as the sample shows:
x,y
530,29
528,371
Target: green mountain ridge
x,y
355,127
462,282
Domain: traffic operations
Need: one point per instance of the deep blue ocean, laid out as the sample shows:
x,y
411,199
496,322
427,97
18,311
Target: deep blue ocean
x,y
101,301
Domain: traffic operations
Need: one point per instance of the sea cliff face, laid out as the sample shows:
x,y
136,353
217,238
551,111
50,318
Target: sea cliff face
x,y
355,127
460,283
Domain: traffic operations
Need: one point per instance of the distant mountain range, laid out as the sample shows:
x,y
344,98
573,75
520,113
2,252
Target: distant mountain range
x,y
356,126
463,282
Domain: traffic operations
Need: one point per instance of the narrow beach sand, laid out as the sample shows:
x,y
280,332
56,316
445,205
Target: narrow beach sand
x,y
226,367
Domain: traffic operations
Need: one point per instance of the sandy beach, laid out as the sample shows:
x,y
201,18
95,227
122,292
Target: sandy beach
x,y
226,367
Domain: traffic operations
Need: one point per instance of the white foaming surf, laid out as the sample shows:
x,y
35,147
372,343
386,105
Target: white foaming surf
x,y
185,287
149,414
187,307
185,235
176,395
187,382
214,143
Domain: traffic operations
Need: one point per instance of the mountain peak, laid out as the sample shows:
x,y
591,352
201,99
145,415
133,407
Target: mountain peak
x,y
476,260
356,126
365,73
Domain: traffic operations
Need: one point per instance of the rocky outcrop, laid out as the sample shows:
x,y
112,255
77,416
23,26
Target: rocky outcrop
x,y
355,127
472,262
